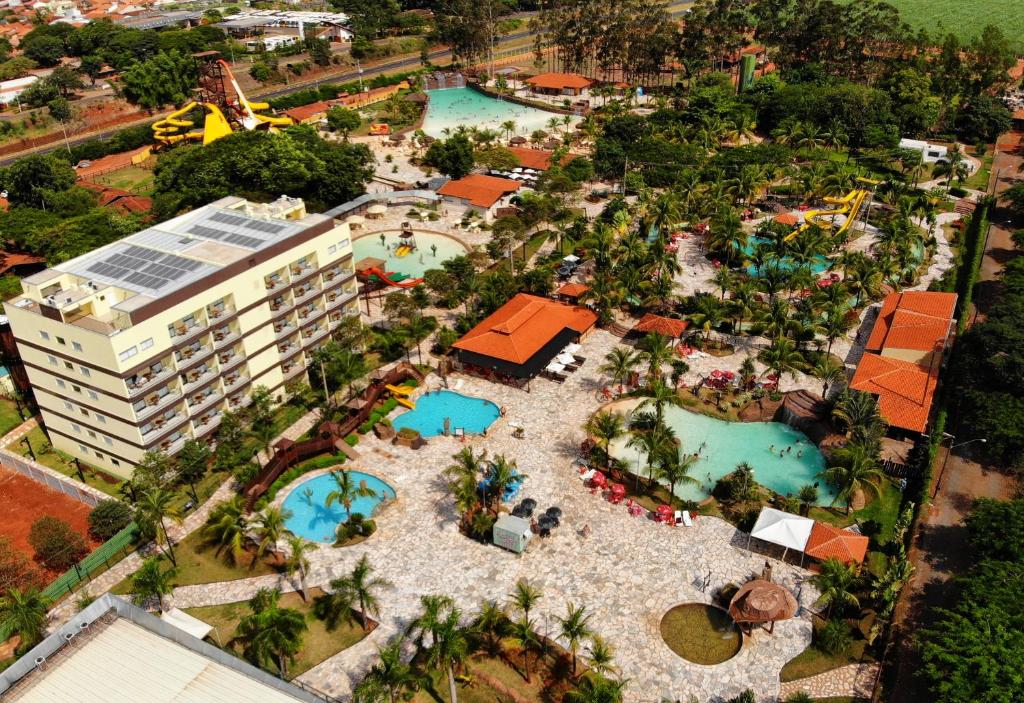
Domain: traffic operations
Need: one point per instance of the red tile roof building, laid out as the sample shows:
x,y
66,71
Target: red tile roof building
x,y
537,159
904,354
524,335
478,191
656,324
118,199
559,83
828,542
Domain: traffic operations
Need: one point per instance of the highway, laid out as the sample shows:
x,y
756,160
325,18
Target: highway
x,y
397,65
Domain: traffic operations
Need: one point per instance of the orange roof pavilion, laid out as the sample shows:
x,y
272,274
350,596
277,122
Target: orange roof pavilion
x,y
524,335
904,389
559,82
828,542
537,159
918,320
478,190
668,326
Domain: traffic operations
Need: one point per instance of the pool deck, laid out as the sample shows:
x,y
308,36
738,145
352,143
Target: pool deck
x,y
628,572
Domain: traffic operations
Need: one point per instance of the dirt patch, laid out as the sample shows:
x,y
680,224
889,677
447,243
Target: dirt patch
x,y
23,501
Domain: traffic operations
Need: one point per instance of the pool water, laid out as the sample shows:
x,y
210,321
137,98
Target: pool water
x,y
474,415
414,264
818,265
313,520
727,444
453,107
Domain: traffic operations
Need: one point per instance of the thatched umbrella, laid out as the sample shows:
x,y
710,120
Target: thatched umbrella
x,y
517,140
759,601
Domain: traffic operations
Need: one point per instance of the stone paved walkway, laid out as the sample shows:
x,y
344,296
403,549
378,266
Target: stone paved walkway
x,y
629,572
853,680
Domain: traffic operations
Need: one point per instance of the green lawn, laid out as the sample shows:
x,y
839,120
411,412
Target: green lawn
x,y
63,463
134,179
198,562
813,661
318,643
964,19
9,418
979,179
506,670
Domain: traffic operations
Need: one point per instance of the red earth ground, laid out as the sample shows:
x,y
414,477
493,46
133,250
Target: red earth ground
x,y
23,501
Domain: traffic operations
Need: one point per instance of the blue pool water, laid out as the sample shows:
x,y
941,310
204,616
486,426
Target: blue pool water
x,y
727,444
313,520
451,107
474,415
819,264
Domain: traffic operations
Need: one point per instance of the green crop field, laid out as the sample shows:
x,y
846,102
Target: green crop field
x,y
965,18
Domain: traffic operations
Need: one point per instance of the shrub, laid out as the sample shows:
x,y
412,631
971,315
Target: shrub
x,y
108,518
833,637
320,462
245,473
747,696
957,192
365,427
352,440
357,526
800,697
56,543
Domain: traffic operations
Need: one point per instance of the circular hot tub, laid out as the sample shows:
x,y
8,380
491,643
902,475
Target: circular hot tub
x,y
701,633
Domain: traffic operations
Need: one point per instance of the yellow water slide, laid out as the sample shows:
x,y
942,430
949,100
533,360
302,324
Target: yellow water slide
x,y
168,130
848,205
400,390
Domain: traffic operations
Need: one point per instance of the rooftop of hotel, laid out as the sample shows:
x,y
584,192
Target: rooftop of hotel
x,y
173,255
913,320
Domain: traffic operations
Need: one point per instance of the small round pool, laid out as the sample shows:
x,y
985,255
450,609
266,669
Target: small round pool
x,y
472,415
432,249
701,633
313,520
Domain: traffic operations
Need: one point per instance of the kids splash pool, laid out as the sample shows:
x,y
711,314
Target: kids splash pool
x,y
784,459
472,415
450,108
311,517
432,249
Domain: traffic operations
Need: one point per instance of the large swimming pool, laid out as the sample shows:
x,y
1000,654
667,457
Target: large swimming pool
x,y
313,520
431,250
472,415
453,107
784,459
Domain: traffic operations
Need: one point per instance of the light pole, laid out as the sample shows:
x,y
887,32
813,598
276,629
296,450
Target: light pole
x,y
949,451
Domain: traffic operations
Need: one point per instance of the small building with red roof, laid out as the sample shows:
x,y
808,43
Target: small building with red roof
x,y
479,193
519,339
118,199
559,83
571,292
656,324
828,542
903,356
309,114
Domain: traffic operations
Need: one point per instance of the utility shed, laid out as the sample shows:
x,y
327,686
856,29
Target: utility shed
x,y
512,533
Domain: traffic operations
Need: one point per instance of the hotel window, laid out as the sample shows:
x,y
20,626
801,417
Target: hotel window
x,y
60,340
333,248
85,371
82,448
93,395
76,389
92,434
146,344
101,418
128,353
108,440
76,428
44,335
69,366
76,346
343,243
52,360
68,406
115,462
61,384
84,411
99,455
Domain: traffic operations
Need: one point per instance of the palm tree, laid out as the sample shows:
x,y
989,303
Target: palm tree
x,y
606,427
653,444
270,633
434,609
660,395
674,468
575,628
656,351
708,313
829,372
152,581
449,649
747,372
954,166
297,562
782,356
391,674
491,622
597,689
227,526
525,597
362,586
619,364
526,637
510,127
859,412
854,470
836,583
503,474
347,491
270,528
23,613
152,512
808,496
601,656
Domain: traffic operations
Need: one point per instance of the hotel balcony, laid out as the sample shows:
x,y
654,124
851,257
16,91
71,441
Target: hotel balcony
x,y
276,281
309,311
173,446
292,369
222,336
203,401
305,292
337,298
197,377
280,305
283,329
148,378
186,329
222,309
155,403
310,335
234,381
207,423
155,427
229,360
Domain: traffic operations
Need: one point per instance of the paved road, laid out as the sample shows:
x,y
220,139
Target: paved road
x,y
404,63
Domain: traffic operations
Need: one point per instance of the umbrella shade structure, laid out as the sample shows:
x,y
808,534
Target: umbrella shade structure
x,y
517,140
356,219
784,529
529,503
377,209
565,359
572,348
555,367
828,542
554,511
759,601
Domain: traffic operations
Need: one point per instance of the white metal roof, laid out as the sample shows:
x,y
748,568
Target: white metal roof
x,y
126,662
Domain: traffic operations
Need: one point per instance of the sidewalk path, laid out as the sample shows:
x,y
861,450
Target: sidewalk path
x,y
853,681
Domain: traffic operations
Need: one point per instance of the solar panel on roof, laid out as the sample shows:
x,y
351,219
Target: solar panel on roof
x,y
261,226
243,240
179,262
208,232
142,253
146,281
225,218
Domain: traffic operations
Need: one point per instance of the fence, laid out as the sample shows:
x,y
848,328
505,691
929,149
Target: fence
x,y
51,479
106,555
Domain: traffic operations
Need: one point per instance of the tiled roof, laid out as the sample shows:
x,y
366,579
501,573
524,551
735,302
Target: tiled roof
x,y
482,191
913,320
538,159
828,542
120,199
557,81
668,326
305,112
573,290
523,326
904,389
787,218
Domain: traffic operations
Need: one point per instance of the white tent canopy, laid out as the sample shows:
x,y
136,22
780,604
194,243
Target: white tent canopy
x,y
784,529
185,622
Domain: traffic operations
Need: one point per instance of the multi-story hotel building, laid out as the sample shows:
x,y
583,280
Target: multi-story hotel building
x,y
146,342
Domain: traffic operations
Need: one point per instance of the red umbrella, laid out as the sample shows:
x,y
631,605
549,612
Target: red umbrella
x,y
618,489
598,479
716,374
729,375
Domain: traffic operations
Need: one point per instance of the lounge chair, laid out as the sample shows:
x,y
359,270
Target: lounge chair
x,y
678,516
687,520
